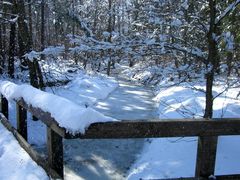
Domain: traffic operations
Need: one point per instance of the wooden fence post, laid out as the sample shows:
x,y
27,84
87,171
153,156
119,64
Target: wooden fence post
x,y
55,151
22,121
206,156
4,106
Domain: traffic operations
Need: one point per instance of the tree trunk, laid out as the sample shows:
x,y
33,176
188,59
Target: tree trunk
x,y
39,75
209,96
1,51
42,25
3,38
95,17
109,67
213,60
110,28
229,62
32,74
30,21
12,49
12,44
23,33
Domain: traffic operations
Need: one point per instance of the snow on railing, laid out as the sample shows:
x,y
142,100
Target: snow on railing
x,y
74,118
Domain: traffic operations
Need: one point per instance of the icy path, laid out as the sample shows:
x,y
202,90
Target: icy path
x,y
129,102
111,159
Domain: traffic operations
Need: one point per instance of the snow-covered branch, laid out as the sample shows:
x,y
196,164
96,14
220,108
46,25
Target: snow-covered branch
x,y
228,10
7,3
82,24
190,50
49,51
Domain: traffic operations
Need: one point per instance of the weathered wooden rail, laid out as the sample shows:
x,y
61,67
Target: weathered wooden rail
x,y
207,131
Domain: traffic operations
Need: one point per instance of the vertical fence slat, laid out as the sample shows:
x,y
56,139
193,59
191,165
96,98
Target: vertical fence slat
x,y
55,151
22,121
4,106
206,156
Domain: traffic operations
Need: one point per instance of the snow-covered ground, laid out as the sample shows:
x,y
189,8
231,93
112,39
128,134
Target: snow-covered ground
x,y
15,163
86,89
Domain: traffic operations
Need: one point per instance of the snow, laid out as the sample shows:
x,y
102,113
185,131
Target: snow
x,y
51,50
180,102
7,3
166,158
15,163
185,4
32,55
80,48
68,114
229,40
106,34
130,101
176,22
86,89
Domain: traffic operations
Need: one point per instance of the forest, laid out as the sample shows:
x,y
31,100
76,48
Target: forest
x,y
129,60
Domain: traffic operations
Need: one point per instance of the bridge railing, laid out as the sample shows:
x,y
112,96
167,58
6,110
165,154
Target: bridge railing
x,y
207,131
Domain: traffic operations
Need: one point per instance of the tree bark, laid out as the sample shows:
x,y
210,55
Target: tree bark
x,y
25,45
30,21
3,38
110,28
1,51
213,59
42,25
12,49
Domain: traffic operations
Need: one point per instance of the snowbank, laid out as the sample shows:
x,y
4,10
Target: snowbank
x,y
86,90
68,114
166,158
188,101
15,163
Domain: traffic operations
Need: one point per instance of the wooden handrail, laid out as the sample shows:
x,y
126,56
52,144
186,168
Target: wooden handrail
x,y
143,129
159,128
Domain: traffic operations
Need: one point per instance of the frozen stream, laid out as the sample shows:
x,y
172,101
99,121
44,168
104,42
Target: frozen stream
x,y
111,159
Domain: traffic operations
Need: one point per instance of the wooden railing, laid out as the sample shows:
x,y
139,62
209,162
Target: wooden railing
x,y
206,129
